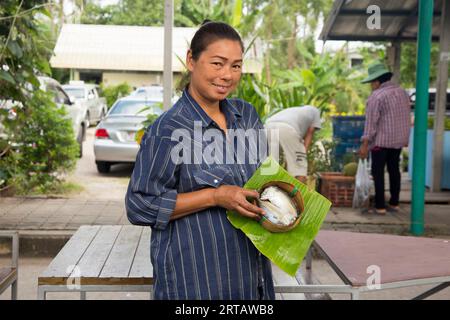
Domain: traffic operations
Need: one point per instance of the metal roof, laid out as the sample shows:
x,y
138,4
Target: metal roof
x,y
127,48
348,20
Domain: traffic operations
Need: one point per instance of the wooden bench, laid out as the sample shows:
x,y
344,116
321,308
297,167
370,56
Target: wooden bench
x,y
99,259
9,274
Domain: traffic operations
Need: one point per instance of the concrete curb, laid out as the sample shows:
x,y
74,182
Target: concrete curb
x,y
34,243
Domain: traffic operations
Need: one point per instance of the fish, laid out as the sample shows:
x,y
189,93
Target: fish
x,y
278,206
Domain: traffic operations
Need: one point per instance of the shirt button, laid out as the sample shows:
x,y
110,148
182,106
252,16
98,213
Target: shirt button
x,y
215,180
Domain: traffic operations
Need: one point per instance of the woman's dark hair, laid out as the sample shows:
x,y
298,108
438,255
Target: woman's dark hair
x,y
385,77
209,32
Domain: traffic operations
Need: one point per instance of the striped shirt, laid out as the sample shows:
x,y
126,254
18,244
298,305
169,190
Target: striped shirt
x,y
388,119
199,256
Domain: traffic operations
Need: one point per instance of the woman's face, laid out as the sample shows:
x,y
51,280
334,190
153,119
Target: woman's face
x,y
216,72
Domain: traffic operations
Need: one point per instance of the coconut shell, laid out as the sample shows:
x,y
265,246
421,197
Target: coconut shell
x,y
298,201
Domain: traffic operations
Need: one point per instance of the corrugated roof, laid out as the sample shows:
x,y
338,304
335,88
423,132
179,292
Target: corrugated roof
x,y
348,20
130,48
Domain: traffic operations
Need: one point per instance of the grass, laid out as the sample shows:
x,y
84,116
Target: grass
x,y
60,189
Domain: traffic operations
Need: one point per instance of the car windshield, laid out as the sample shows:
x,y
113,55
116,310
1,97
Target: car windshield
x,y
78,93
151,92
135,107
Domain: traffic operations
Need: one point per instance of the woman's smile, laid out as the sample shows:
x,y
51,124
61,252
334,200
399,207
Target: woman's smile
x,y
222,89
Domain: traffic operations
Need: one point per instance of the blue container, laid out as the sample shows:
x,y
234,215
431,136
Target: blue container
x,y
346,128
344,147
445,179
340,150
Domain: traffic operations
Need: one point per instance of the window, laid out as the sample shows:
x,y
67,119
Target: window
x,y
135,107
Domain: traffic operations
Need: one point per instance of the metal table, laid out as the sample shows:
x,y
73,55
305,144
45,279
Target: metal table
x,y
360,259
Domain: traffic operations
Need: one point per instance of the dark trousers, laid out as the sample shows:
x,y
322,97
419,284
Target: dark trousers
x,y
380,158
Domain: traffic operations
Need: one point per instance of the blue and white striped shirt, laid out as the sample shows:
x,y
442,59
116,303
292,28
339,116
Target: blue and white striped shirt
x,y
199,256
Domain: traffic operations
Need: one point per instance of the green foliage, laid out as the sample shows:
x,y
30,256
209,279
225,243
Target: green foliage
x,y
408,64
150,118
125,12
324,78
112,93
319,155
446,123
22,48
187,13
41,144
38,144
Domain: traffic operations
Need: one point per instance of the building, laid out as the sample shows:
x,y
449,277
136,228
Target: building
x,y
133,54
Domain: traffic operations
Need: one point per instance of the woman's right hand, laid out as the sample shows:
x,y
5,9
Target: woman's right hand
x,y
234,198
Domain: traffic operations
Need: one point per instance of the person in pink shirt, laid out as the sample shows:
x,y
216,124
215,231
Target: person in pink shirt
x,y
386,132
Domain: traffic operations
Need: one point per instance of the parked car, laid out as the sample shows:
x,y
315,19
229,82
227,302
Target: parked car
x,y
88,94
152,93
115,136
77,111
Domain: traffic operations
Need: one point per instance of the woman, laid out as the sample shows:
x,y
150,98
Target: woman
x,y
195,251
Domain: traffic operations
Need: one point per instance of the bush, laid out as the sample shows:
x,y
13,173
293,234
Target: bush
x,y
41,146
446,123
112,93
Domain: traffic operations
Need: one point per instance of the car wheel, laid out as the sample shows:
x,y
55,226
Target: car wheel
x,y
103,167
80,139
102,115
88,120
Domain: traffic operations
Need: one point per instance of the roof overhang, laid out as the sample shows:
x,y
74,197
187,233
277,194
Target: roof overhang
x,y
354,20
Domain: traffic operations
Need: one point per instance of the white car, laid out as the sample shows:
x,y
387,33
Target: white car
x,y
88,94
77,111
152,93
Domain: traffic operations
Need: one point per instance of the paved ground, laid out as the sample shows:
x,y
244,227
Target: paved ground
x,y
111,186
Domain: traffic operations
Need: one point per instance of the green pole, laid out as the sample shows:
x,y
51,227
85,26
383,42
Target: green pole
x,y
420,115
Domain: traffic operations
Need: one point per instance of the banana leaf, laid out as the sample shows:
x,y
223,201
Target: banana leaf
x,y
288,249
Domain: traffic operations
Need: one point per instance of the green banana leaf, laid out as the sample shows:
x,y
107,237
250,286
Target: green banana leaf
x,y
286,249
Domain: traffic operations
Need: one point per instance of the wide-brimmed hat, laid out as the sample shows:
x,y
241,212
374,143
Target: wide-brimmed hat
x,y
375,71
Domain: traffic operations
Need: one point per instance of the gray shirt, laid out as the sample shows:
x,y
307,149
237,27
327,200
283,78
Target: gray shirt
x,y
300,118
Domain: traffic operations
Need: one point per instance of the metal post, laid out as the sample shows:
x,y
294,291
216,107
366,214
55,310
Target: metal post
x,y
397,48
167,75
420,115
14,289
441,97
42,294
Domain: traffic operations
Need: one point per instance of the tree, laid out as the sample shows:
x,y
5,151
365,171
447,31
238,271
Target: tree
x,y
38,143
126,12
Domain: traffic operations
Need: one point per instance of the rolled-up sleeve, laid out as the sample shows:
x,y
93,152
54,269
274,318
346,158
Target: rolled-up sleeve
x,y
152,191
372,117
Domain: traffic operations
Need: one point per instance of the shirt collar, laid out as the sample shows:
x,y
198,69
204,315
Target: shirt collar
x,y
198,114
386,84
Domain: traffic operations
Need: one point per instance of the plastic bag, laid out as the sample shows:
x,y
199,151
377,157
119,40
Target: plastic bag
x,y
362,186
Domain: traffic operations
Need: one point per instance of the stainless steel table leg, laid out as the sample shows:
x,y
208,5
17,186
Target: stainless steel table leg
x,y
14,290
355,294
42,294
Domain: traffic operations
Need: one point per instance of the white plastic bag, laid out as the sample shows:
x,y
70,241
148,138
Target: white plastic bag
x,y
362,186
